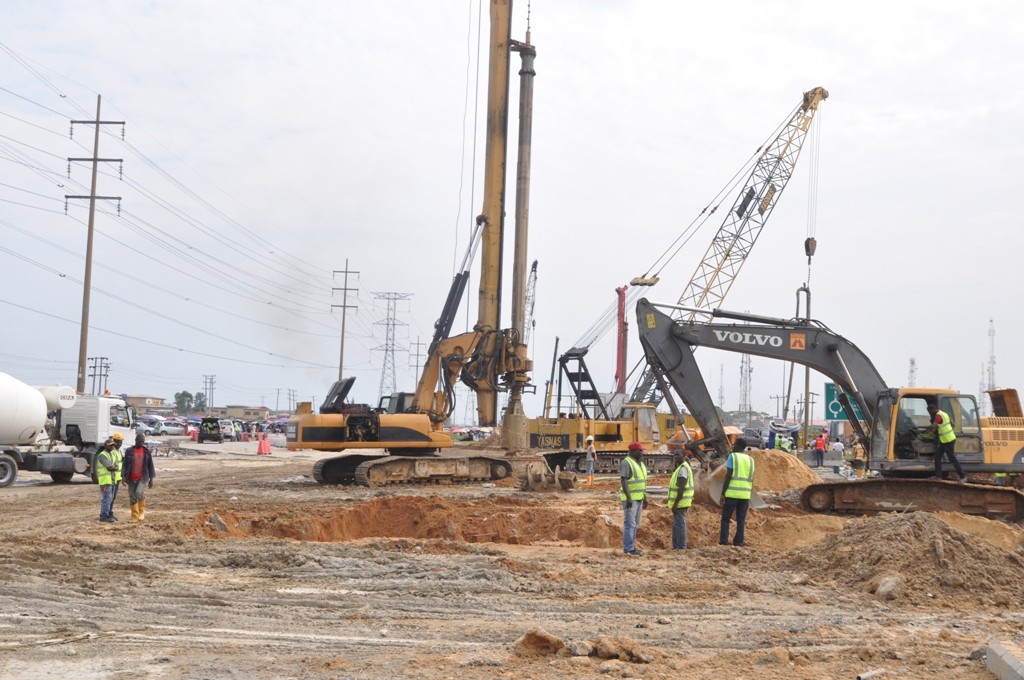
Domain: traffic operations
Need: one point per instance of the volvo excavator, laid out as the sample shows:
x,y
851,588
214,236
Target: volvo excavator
x,y
895,427
409,427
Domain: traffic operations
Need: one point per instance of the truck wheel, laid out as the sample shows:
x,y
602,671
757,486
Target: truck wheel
x,y
61,477
8,470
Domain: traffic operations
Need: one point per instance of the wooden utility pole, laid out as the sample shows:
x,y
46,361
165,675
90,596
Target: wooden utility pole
x,y
344,308
87,282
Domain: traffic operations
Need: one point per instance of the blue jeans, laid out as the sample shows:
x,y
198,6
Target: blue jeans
x,y
679,528
630,522
740,505
107,500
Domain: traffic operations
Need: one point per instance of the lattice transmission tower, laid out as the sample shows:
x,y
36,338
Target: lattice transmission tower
x,y
390,322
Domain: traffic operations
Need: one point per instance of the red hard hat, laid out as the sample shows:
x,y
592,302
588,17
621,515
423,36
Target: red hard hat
x,y
636,446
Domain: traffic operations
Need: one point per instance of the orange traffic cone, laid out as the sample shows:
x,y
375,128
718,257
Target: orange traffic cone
x,y
263,448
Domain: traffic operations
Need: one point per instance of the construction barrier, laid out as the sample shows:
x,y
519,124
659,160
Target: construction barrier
x,y
195,435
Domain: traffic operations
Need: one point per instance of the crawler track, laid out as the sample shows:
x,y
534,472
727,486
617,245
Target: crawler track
x,y
908,495
431,469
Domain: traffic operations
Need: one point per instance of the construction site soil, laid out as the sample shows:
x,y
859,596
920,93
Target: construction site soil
x,y
246,568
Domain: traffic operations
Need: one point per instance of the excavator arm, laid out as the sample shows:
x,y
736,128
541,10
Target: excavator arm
x,y
669,343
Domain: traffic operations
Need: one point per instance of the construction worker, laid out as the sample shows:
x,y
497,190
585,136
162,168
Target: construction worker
x,y
819,450
118,476
591,461
787,443
105,465
943,428
138,462
736,491
633,475
680,498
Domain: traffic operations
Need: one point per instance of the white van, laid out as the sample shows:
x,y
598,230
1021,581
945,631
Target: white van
x,y
227,428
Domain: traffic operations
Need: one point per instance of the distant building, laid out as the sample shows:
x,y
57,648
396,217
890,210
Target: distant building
x,y
150,405
239,412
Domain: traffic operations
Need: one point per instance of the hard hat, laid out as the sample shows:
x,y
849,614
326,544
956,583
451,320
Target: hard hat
x,y
108,442
118,437
590,438
636,446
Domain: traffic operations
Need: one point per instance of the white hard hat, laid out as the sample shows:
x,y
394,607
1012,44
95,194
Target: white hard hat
x,y
590,438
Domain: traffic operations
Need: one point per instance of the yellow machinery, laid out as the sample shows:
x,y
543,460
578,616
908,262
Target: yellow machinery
x,y
488,359
892,422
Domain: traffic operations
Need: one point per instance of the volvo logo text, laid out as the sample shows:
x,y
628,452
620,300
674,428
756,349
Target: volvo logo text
x,y
749,338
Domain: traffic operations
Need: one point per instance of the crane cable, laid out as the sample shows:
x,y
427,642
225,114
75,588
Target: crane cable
x,y
605,321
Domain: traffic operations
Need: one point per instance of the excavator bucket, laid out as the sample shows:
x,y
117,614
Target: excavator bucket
x,y
539,477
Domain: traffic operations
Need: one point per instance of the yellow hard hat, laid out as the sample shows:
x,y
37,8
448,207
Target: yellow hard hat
x,y
118,437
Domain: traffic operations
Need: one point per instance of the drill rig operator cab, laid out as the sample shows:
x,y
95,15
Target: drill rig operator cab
x,y
340,425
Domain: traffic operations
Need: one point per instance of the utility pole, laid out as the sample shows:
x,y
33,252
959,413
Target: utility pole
x,y
277,404
208,382
292,394
345,306
104,374
387,372
414,356
777,398
83,341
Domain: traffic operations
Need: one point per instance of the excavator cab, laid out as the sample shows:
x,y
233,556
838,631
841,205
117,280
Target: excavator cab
x,y
902,433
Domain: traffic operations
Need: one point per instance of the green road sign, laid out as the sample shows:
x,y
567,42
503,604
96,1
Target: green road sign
x,y
833,409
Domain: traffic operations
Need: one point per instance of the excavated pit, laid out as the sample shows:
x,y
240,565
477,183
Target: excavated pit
x,y
509,521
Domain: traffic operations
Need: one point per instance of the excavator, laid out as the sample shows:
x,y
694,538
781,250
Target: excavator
x,y
895,426
409,427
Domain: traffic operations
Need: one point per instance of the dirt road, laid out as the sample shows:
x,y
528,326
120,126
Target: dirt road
x,y
246,568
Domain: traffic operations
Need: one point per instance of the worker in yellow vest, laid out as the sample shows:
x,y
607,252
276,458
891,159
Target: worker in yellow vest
x,y
106,465
633,475
943,427
736,492
680,498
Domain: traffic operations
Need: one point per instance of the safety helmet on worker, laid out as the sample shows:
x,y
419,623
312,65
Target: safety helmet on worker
x,y
636,446
590,437
118,437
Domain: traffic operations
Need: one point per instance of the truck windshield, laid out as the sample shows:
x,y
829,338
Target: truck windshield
x,y
119,416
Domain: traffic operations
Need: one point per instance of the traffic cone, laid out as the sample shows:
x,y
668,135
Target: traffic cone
x,y
263,448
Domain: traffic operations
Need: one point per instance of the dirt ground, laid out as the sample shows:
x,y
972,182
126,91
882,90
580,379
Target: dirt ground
x,y
246,568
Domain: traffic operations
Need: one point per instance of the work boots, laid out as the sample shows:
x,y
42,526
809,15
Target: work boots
x,y
135,512
590,481
142,509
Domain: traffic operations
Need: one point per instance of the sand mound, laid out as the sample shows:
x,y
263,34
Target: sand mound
x,y
778,471
930,560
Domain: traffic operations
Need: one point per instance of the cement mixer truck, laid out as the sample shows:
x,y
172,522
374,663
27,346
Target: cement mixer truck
x,y
55,431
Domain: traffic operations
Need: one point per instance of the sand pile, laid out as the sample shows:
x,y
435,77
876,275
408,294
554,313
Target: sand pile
x,y
778,471
915,557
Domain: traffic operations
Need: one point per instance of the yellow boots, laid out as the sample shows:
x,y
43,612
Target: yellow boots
x,y
139,511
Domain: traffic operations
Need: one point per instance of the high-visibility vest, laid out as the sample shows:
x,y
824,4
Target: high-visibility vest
x,y
741,484
637,483
104,458
118,459
946,434
673,487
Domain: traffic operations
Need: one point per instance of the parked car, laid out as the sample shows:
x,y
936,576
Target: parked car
x,y
143,428
169,427
210,430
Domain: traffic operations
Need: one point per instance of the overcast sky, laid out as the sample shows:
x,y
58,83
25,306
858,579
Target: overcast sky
x,y
266,143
